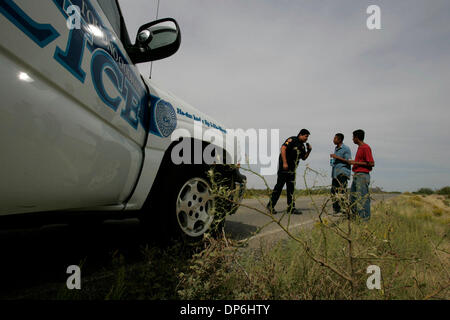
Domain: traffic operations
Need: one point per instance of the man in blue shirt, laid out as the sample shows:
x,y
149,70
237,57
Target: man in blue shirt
x,y
341,170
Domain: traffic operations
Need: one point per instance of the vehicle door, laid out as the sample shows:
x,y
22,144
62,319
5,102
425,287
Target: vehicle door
x,y
73,115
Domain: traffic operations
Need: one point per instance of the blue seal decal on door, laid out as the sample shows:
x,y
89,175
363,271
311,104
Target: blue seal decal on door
x,y
164,120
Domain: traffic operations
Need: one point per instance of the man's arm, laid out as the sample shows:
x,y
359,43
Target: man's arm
x,y
340,158
368,160
283,157
353,162
369,164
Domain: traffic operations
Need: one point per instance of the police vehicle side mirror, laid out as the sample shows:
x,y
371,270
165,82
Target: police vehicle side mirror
x,y
156,40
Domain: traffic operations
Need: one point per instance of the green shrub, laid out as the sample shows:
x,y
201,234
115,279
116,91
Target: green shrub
x,y
426,191
444,191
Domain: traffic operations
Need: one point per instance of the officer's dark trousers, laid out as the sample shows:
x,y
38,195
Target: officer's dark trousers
x,y
338,186
287,178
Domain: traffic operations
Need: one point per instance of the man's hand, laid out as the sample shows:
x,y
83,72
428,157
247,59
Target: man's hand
x,y
285,167
308,151
334,156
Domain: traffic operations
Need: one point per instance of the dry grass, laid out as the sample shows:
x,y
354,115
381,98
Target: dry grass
x,y
407,238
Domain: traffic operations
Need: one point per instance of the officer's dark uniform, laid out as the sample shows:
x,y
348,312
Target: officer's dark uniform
x,y
295,150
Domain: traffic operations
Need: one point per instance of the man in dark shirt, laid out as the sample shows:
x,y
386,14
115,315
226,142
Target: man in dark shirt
x,y
292,150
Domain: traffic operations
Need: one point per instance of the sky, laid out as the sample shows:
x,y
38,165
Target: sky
x,y
293,64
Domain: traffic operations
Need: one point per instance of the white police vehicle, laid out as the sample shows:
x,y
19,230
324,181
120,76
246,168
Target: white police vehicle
x,y
82,131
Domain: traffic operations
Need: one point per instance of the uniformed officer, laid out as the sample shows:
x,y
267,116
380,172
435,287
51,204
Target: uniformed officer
x,y
292,150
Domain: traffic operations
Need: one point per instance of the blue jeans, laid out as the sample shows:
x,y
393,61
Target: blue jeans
x,y
359,195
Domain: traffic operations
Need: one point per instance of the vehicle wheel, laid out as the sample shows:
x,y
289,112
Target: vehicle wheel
x,y
191,204
184,207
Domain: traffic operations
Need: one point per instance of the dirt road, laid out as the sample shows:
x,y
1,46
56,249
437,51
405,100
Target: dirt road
x,y
247,221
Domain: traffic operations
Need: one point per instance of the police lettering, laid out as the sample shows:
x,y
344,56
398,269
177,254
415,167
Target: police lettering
x,y
106,59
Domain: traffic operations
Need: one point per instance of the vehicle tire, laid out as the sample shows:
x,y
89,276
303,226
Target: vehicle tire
x,y
190,203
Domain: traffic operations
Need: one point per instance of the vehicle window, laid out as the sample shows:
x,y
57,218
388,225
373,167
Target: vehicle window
x,y
111,11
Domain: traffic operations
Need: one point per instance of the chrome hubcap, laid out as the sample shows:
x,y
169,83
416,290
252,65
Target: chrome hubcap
x,y
195,207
